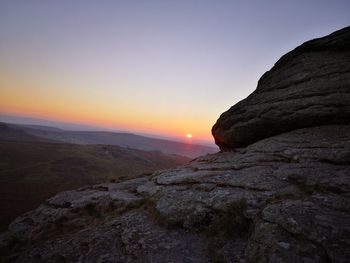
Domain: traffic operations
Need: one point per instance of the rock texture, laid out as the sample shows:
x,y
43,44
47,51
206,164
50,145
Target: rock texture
x,y
284,198
307,87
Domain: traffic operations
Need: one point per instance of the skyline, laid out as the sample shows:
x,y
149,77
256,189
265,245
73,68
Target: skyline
x,y
67,126
168,68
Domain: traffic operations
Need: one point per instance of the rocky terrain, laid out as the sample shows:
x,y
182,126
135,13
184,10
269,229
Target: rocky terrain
x,y
278,192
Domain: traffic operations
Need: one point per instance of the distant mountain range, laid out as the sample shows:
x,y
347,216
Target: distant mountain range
x,y
129,140
34,168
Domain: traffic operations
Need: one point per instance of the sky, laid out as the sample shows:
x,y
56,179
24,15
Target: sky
x,y
158,67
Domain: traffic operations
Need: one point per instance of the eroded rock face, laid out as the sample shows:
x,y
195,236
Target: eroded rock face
x,y
284,198
309,86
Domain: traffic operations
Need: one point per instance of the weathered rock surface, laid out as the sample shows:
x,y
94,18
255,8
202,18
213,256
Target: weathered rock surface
x,y
284,198
307,87
103,223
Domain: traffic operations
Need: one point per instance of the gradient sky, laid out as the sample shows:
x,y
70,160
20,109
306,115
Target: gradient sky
x,y
162,67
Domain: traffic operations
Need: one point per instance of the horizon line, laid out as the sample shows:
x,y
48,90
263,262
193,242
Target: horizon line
x,y
20,119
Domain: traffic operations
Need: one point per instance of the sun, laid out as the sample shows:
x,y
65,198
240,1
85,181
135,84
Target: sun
x,y
189,135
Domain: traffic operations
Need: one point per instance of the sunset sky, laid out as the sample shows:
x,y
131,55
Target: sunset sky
x,y
159,67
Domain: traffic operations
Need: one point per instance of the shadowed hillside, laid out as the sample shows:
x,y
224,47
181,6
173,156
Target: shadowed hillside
x,y
111,138
31,172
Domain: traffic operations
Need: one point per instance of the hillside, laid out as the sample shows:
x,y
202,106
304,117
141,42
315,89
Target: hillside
x,y
31,172
11,132
278,192
111,138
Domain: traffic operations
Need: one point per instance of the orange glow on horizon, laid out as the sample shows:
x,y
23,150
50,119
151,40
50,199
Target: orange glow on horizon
x,y
83,110
134,125
57,100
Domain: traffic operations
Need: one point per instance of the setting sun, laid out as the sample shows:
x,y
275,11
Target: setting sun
x,y
189,135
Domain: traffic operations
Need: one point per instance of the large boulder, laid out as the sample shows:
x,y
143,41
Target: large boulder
x,y
307,87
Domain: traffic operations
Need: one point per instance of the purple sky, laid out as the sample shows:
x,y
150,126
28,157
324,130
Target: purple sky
x,y
168,67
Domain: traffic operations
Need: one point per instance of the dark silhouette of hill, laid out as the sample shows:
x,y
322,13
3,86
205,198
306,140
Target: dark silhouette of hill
x,y
12,132
109,138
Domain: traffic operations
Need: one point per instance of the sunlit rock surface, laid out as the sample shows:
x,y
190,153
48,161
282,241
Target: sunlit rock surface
x,y
283,198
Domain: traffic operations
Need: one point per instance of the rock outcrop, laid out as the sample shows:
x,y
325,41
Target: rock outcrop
x,y
283,197
307,87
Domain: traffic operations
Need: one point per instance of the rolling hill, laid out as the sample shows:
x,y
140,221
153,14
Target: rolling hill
x,y
112,138
33,168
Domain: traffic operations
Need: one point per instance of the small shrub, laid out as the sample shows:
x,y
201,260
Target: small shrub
x,y
228,223
92,211
150,206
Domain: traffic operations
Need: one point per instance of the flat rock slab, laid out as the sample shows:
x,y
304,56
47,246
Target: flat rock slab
x,y
132,238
